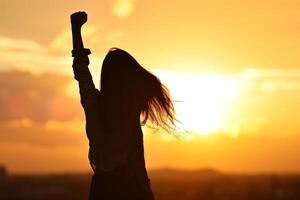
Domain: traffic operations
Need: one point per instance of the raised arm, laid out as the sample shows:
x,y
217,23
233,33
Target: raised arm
x,y
81,60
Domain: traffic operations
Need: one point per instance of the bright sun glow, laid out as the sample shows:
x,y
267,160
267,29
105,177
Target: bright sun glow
x,y
201,100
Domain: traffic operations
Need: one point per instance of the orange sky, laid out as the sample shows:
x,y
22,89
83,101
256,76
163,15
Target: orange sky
x,y
232,67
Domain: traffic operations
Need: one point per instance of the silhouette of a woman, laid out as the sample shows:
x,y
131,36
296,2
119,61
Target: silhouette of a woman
x,y
130,95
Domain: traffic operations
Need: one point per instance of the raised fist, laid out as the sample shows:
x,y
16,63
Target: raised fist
x,y
78,19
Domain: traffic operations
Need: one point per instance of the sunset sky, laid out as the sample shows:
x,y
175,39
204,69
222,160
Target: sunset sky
x,y
232,67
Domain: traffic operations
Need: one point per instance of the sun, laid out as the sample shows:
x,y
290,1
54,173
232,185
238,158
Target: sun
x,y
201,100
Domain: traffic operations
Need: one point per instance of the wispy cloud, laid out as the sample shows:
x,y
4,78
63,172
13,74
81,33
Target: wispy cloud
x,y
30,56
19,44
270,80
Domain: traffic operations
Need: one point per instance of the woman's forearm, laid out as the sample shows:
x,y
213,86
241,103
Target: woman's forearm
x,y
77,38
77,21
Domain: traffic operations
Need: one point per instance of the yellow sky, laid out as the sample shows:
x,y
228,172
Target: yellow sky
x,y
232,68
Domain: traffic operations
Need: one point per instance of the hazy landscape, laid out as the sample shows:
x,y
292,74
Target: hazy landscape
x,y
167,184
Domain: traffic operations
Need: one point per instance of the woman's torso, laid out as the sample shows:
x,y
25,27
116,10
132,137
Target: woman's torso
x,y
104,128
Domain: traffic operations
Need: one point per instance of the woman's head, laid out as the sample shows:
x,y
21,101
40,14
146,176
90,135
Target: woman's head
x,y
125,83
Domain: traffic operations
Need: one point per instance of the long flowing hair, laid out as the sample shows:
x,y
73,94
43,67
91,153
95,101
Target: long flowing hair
x,y
127,85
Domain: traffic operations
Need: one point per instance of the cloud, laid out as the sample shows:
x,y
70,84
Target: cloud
x,y
32,84
19,44
40,97
271,80
30,55
123,8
